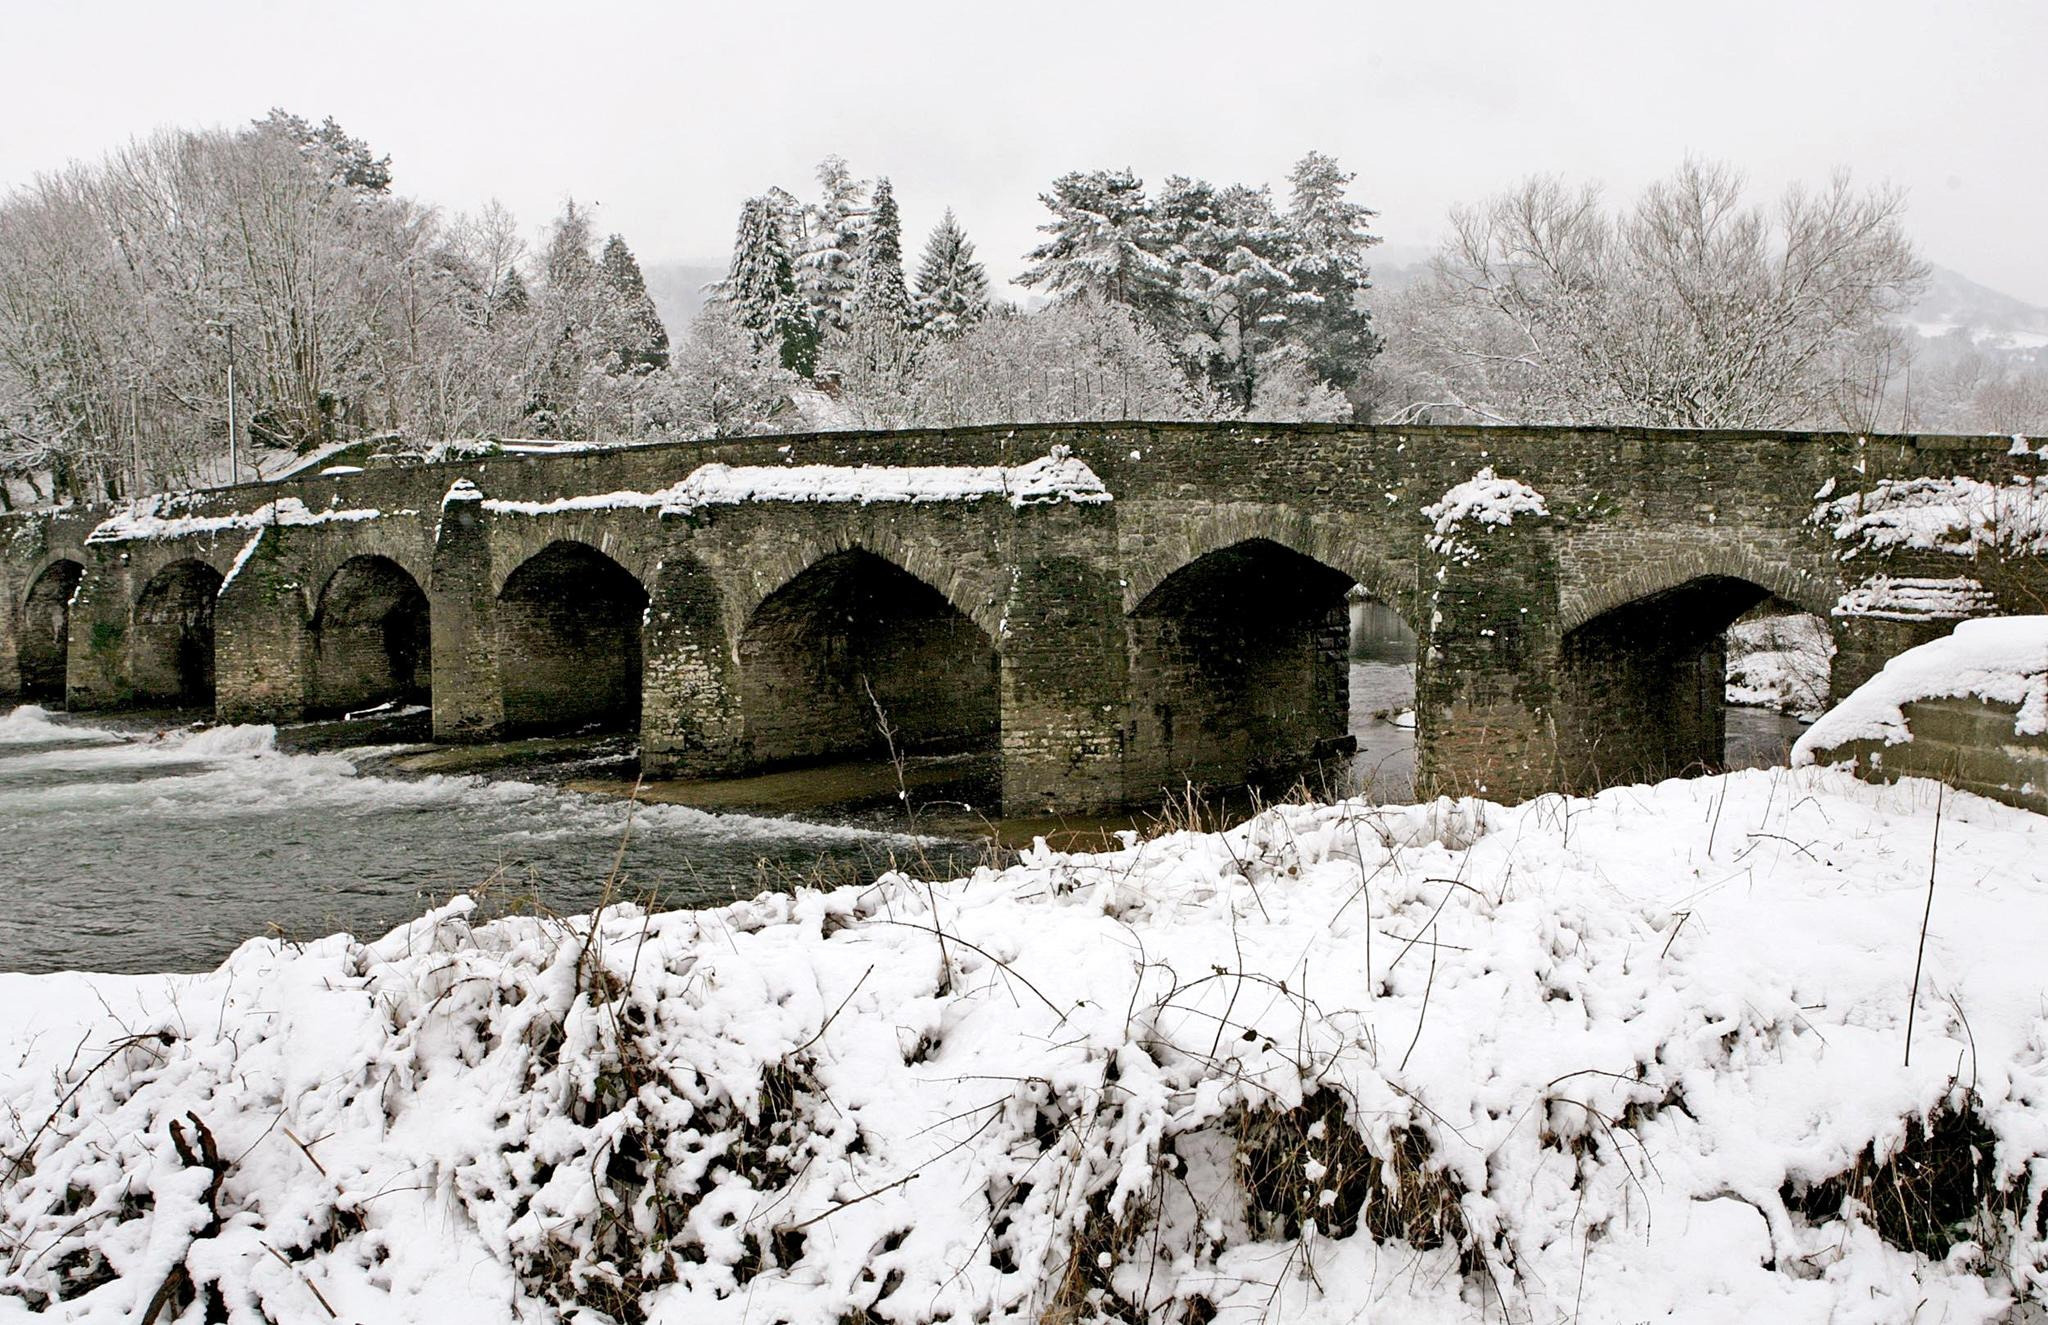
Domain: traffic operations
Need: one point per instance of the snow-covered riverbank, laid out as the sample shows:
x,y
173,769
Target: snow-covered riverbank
x,y
1604,1059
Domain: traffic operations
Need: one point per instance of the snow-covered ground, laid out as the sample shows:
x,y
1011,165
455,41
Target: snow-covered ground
x,y
1780,663
1593,1060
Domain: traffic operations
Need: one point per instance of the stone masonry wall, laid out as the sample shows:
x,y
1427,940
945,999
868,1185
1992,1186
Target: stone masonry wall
x,y
1967,743
1631,514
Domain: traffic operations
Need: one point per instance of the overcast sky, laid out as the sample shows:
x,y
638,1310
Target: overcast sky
x,y
667,116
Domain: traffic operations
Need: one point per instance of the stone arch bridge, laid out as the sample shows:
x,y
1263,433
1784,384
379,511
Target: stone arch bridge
x,y
1115,609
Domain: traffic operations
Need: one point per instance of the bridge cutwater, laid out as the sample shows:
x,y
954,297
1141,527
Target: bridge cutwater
x,y
1114,610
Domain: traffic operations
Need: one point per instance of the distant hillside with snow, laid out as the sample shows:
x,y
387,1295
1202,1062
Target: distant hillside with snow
x,y
1988,318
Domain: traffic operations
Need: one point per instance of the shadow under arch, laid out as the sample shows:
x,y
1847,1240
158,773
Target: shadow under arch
x,y
1240,671
569,641
1642,684
171,648
370,638
44,647
854,642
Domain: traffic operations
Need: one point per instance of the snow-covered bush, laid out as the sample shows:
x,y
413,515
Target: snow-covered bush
x,y
1484,499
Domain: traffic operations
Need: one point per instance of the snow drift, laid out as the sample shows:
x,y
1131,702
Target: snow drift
x,y
1631,1057
2001,659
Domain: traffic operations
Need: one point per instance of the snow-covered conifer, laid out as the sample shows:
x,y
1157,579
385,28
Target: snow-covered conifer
x,y
825,268
761,288
639,341
952,288
876,355
1328,268
1102,242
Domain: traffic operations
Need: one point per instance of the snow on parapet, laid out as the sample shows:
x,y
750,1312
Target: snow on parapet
x,y
597,501
1909,599
153,517
1050,478
1485,499
2000,659
1959,516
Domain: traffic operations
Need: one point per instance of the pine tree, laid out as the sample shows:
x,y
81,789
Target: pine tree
x,y
567,337
1329,270
1103,243
825,267
880,319
1232,255
952,288
639,341
761,288
513,300
348,158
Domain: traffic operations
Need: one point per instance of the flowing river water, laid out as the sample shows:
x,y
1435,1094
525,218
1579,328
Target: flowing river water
x,y
132,845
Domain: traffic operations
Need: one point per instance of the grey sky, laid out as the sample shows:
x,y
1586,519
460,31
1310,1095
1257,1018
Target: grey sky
x,y
667,116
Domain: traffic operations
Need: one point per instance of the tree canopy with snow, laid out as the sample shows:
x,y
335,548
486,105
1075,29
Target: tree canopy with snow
x,y
832,229
1692,308
761,292
1236,286
952,288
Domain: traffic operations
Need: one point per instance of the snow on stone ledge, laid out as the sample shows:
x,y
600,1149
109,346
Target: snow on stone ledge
x,y
1909,599
1958,516
1485,499
1050,478
2001,659
155,517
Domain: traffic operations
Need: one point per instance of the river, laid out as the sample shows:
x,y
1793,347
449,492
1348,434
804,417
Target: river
x,y
135,845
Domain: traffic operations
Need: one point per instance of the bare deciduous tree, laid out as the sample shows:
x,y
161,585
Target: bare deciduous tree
x,y
1691,309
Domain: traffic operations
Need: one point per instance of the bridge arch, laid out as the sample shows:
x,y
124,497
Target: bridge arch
x,y
1674,568
1641,683
370,638
44,644
779,562
171,642
850,633
1240,669
569,624
1386,579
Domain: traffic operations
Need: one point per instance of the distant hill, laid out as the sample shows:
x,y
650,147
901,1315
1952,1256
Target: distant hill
x,y
1987,318
678,291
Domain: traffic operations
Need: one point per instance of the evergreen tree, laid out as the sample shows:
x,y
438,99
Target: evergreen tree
x,y
348,158
1232,256
639,341
513,300
878,335
760,288
1103,243
878,286
1329,271
567,330
952,288
825,266
565,262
